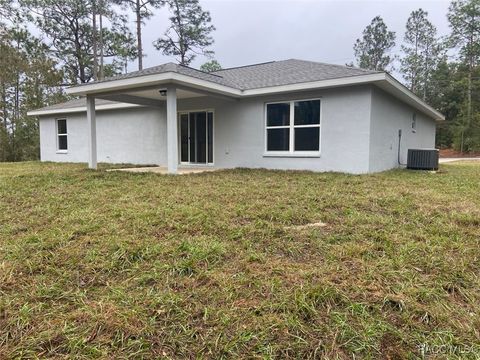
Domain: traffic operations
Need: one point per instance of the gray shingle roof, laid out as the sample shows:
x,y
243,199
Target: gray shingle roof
x,y
170,67
274,73
286,72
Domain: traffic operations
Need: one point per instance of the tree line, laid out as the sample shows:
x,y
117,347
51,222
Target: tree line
x,y
443,71
46,45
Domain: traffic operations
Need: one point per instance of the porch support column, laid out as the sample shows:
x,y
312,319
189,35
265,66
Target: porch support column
x,y
172,130
91,132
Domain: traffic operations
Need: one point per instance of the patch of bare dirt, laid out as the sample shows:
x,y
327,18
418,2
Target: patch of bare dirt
x,y
318,224
451,153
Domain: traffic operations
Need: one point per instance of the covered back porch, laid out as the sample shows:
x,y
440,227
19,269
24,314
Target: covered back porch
x,y
189,134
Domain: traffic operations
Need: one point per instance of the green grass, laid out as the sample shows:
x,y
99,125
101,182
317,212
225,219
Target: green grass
x,y
120,265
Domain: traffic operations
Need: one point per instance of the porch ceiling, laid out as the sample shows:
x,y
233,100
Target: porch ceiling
x,y
148,96
155,94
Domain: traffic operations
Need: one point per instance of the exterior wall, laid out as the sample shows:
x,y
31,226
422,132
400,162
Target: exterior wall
x,y
388,116
239,131
359,132
136,135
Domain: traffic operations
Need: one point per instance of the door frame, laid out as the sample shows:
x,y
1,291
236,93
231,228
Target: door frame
x,y
179,132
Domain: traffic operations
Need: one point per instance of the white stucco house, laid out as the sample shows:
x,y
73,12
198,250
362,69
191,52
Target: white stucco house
x,y
290,114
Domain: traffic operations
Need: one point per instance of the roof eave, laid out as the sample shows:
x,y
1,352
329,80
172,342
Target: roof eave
x,y
412,99
80,109
152,80
382,79
320,84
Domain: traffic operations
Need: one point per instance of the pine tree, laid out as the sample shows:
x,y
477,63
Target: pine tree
x,y
212,65
143,11
371,51
68,26
189,32
6,8
422,53
464,19
28,80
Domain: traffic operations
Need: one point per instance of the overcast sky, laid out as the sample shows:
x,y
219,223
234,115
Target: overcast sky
x,y
253,31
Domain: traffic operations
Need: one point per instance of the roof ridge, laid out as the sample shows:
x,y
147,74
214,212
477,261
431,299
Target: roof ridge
x,y
337,65
204,72
109,78
244,66
152,67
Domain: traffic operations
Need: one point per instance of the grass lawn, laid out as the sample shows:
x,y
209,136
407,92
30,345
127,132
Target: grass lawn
x,y
217,265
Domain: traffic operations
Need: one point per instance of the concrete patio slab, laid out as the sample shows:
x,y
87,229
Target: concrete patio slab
x,y
163,170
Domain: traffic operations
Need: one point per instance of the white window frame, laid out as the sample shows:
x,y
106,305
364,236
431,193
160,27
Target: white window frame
x,y
291,152
414,122
61,151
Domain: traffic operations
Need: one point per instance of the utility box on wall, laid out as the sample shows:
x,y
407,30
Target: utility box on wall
x,y
422,159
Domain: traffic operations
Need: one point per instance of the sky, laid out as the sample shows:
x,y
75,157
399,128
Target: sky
x,y
255,31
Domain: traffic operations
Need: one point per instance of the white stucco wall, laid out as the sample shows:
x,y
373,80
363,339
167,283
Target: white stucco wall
x,y
359,132
136,135
388,116
240,131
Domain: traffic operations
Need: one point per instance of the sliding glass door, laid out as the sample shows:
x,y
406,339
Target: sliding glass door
x,y
196,137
